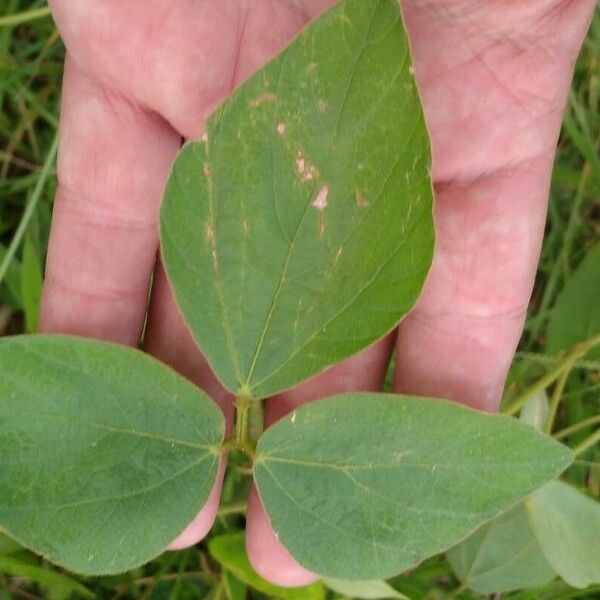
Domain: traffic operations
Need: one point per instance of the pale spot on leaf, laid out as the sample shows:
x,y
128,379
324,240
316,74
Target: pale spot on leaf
x,y
281,128
361,201
265,98
321,201
209,232
306,170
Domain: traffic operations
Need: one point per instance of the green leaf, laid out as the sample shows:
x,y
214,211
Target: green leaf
x,y
502,556
107,453
567,525
367,590
302,224
536,410
31,285
229,551
390,480
576,314
57,585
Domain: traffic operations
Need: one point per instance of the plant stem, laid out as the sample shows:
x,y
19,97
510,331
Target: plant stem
x,y
242,406
233,508
242,440
557,396
29,209
566,364
587,443
585,365
248,447
23,17
563,433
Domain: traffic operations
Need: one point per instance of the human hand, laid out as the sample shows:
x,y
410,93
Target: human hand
x,y
142,75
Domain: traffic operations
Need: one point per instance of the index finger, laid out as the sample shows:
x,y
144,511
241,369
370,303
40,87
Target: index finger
x,y
114,158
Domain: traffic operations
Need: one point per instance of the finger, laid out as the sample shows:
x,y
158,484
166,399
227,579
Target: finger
x,y
494,82
363,372
181,59
204,520
459,341
261,32
112,164
169,339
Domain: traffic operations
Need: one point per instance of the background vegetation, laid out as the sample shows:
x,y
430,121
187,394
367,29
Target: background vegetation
x,y
31,57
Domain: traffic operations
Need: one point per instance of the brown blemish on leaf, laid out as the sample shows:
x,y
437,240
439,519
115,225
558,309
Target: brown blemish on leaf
x,y
311,67
321,203
361,201
411,70
322,105
204,137
300,163
265,98
207,170
281,128
245,226
209,232
306,170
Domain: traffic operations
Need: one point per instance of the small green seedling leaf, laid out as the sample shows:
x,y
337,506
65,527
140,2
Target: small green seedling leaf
x,y
502,556
368,485
229,550
536,410
567,525
107,454
364,590
576,315
302,224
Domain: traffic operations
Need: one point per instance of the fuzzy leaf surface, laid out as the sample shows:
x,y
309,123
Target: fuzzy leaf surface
x,y
302,224
364,486
106,454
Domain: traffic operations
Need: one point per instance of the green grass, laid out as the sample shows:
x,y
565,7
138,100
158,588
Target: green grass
x,y
31,57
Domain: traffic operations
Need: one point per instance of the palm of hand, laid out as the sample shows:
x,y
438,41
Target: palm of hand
x,y
142,75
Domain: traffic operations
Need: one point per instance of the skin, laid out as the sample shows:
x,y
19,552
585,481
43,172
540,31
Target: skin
x,y
143,74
